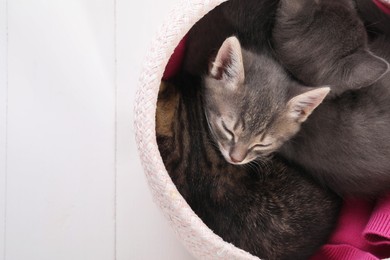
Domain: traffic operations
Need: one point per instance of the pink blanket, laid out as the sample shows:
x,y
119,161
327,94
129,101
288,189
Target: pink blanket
x,y
384,5
362,232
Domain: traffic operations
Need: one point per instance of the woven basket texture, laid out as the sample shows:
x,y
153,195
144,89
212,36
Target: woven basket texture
x,y
190,229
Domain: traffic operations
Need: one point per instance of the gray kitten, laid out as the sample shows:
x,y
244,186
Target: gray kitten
x,y
346,141
252,105
324,42
254,109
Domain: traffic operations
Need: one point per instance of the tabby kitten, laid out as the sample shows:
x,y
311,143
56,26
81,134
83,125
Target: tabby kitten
x,y
324,42
255,109
269,209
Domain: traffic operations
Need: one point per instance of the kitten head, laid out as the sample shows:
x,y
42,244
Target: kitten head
x,y
251,105
325,42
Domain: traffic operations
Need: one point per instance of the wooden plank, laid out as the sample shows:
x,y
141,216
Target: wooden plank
x,y
61,130
3,119
142,231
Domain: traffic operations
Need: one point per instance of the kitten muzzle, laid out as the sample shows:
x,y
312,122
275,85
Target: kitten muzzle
x,y
237,156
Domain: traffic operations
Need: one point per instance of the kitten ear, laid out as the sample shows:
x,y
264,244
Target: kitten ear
x,y
301,106
364,69
228,64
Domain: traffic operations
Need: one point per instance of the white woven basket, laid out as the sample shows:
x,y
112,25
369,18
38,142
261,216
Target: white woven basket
x,y
195,235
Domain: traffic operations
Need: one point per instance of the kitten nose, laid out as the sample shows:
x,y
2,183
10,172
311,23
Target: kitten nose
x,y
236,156
235,160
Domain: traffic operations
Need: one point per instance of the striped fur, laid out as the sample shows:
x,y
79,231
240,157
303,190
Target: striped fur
x,y
268,209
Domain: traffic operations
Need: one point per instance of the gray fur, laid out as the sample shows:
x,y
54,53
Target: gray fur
x,y
258,113
324,42
346,141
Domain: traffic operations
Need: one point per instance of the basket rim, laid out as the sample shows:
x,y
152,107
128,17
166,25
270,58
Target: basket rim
x,y
199,239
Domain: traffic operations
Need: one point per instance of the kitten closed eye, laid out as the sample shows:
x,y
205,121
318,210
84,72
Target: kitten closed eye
x,y
263,145
229,133
260,146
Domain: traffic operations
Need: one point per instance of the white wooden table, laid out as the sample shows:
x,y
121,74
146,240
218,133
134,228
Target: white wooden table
x,y
71,184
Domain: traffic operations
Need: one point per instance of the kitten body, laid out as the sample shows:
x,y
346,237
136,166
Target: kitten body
x,y
324,42
346,141
270,210
255,108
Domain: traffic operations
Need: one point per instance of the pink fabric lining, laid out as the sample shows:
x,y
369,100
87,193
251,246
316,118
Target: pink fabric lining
x,y
174,63
383,5
362,232
344,252
377,231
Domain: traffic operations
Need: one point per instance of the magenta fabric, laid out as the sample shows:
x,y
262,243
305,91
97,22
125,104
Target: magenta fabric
x,y
175,60
377,231
362,232
383,5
